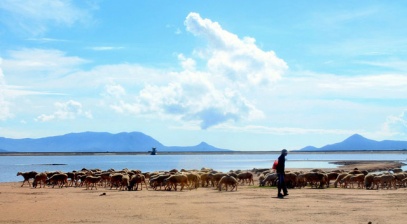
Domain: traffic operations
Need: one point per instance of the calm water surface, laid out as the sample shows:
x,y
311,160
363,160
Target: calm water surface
x,y
10,165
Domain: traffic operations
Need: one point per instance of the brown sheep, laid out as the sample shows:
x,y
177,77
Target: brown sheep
x,y
115,180
40,178
214,178
358,178
27,176
290,179
399,178
388,181
332,176
157,181
124,183
316,179
136,180
228,181
204,179
92,181
245,177
193,180
269,180
174,180
59,179
339,178
368,181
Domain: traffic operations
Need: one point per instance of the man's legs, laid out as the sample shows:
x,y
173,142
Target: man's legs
x,y
281,186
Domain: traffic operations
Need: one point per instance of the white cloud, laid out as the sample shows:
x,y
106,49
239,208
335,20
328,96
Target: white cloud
x,y
115,90
39,63
217,93
66,111
106,48
396,125
240,60
4,104
35,16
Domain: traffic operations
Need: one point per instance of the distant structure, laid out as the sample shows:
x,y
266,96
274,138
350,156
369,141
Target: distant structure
x,y
153,151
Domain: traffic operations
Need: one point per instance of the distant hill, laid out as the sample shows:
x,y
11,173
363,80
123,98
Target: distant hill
x,y
95,142
358,142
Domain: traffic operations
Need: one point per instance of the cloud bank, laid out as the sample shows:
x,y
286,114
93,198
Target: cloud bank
x,y
216,92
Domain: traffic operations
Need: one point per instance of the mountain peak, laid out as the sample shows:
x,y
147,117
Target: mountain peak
x,y
356,136
358,142
203,144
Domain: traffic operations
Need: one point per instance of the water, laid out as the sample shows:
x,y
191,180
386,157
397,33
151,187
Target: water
x,y
10,165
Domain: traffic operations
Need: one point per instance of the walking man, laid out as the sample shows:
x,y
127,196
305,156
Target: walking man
x,y
281,174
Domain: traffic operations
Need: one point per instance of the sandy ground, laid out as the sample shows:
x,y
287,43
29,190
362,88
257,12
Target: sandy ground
x,y
249,204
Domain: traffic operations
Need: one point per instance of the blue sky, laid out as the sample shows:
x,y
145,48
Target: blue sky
x,y
235,74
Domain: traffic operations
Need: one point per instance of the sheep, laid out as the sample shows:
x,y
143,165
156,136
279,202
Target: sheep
x,y
115,180
204,179
387,181
193,180
399,178
40,178
71,176
92,181
346,180
246,176
332,176
228,181
158,181
301,180
358,178
78,176
215,178
27,176
368,181
269,180
176,179
105,178
136,180
339,178
316,179
125,181
290,179
60,179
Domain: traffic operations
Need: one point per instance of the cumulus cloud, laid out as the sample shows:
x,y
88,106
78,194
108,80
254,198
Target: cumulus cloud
x,y
218,92
65,111
34,17
240,60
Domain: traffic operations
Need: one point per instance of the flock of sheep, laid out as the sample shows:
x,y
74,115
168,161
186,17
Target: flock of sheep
x,y
134,179
345,179
191,179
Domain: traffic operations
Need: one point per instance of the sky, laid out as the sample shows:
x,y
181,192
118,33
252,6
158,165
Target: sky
x,y
235,74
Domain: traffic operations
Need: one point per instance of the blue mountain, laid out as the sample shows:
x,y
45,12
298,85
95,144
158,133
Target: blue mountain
x,y
95,142
358,142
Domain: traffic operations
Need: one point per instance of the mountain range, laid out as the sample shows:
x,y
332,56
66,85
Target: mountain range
x,y
140,142
358,142
96,142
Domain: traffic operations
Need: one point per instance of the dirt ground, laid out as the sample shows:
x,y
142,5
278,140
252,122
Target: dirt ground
x,y
249,204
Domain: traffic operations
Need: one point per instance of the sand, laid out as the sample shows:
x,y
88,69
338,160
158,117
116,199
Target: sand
x,y
249,204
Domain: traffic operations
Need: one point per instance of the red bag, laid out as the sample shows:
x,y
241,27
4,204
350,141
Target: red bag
x,y
275,164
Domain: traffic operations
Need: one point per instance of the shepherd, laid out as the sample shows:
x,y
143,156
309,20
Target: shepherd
x,y
280,169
